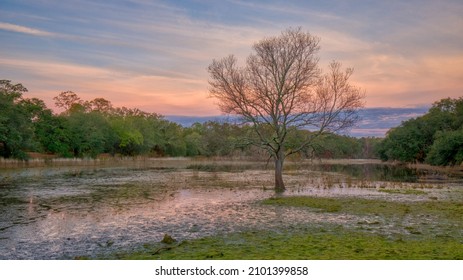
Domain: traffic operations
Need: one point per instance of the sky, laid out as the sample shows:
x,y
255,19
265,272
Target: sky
x,y
374,122
153,55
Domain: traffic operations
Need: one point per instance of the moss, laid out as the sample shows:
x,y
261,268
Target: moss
x,y
318,203
220,167
327,241
403,191
305,244
450,210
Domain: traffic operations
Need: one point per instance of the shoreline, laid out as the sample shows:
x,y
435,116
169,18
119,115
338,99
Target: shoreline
x,y
122,160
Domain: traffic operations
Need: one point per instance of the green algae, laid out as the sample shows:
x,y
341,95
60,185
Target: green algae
x,y
308,244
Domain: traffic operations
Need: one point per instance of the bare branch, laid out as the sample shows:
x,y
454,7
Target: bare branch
x,y
281,87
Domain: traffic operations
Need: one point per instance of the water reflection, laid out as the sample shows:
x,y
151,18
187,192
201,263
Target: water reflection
x,y
381,172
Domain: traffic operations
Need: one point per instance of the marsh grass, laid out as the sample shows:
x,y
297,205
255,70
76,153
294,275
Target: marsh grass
x,y
304,244
451,210
218,167
404,191
327,240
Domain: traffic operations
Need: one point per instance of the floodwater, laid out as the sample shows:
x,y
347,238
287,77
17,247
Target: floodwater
x,y
67,212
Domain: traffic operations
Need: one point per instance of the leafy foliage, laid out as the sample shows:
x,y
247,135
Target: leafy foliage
x,y
90,128
447,148
434,138
16,120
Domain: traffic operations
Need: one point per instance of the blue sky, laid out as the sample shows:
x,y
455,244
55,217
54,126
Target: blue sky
x,y
375,122
153,55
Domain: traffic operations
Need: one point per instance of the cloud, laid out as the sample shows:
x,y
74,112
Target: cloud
x,y
153,93
23,29
392,78
403,53
376,122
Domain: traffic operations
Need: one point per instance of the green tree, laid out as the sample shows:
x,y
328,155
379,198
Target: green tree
x,y
129,139
16,117
90,134
337,146
408,143
193,143
219,139
447,148
139,132
370,147
172,143
53,134
412,140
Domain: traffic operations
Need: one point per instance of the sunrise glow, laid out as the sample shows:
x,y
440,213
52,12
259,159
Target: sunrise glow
x,y
153,55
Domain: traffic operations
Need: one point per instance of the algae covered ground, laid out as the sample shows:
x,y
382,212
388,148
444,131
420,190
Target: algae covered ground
x,y
304,244
370,238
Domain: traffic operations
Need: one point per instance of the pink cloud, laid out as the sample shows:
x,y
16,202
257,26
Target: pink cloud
x,y
159,94
23,29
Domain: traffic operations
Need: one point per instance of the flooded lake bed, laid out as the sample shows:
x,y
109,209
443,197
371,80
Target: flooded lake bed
x,y
68,212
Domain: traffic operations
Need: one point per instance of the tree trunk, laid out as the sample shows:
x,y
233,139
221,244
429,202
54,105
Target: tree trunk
x,y
279,185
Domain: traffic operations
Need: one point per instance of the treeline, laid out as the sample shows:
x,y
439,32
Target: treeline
x,y
435,138
90,128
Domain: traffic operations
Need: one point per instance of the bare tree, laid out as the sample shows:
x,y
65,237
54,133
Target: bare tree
x,y
282,90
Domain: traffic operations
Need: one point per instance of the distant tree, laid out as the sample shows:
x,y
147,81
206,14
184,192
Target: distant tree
x,y
150,126
172,142
337,146
370,147
66,100
408,143
193,145
129,138
53,134
415,138
219,139
193,136
90,134
281,88
447,148
16,120
101,105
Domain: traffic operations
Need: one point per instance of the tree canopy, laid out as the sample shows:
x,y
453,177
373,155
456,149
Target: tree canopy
x,y
435,138
95,127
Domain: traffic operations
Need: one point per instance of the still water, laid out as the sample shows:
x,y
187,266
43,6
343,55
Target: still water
x,y
67,212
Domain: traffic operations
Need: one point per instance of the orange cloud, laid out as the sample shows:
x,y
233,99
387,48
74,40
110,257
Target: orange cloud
x,y
160,94
392,80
